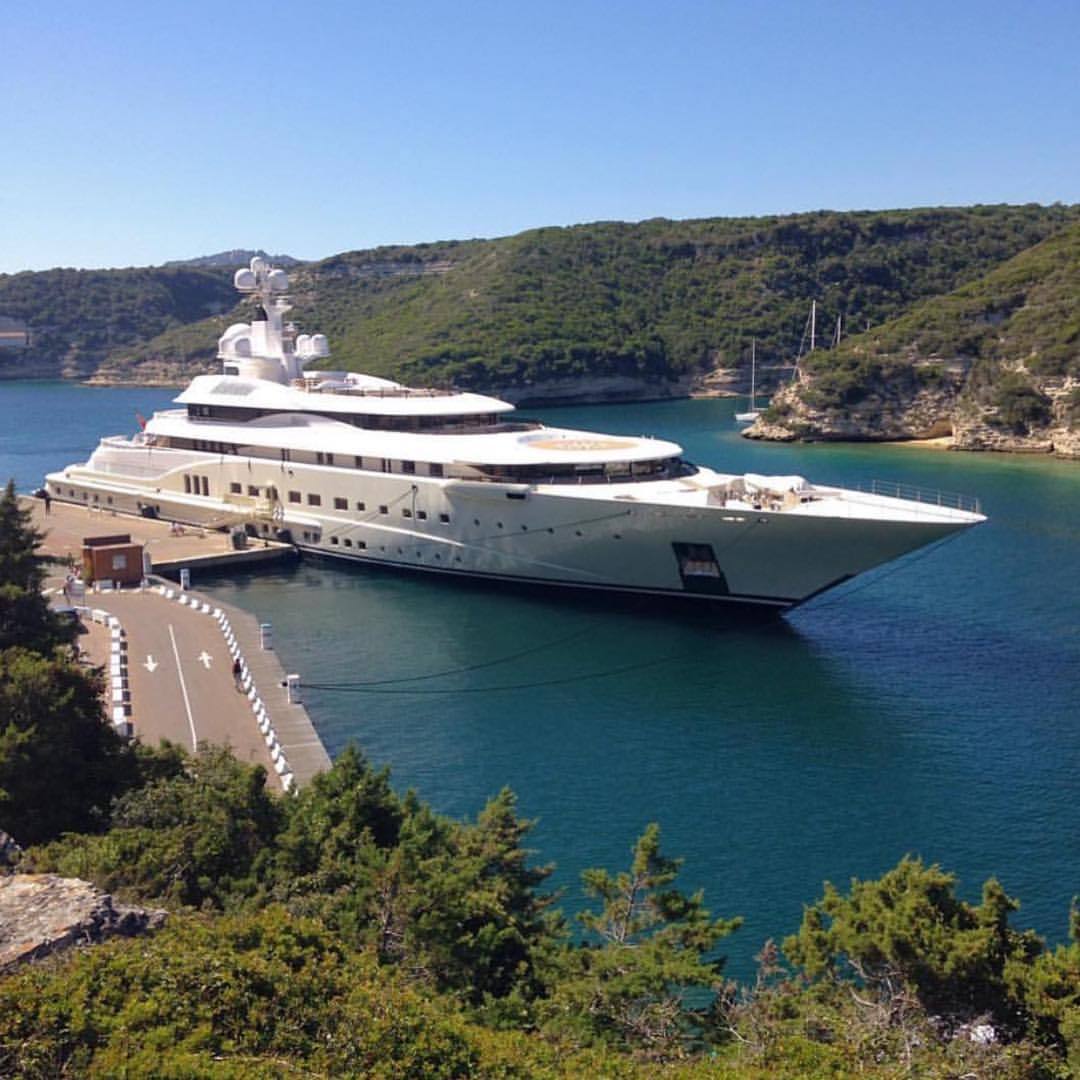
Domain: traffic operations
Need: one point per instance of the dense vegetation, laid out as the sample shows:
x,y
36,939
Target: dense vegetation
x,y
1014,327
77,317
348,930
656,300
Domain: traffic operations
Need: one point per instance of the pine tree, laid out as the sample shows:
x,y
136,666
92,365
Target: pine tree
x,y
25,618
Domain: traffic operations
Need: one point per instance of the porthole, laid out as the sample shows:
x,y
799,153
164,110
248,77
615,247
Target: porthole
x,y
578,532
476,521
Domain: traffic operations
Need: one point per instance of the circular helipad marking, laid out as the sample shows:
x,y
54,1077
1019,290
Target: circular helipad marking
x,y
574,445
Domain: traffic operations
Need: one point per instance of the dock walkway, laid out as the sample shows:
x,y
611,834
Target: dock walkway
x,y
66,525
170,664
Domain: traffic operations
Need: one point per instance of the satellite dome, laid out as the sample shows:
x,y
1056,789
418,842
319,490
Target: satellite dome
x,y
279,280
244,280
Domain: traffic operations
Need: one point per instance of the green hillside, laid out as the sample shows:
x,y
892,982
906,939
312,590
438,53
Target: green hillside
x,y
1008,341
76,317
655,300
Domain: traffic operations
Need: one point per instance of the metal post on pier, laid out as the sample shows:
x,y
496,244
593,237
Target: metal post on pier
x,y
292,683
266,636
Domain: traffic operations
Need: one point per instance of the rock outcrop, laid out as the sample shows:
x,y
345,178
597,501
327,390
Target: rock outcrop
x,y
945,406
42,914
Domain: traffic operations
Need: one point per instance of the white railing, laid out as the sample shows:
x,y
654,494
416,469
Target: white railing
x,y
930,496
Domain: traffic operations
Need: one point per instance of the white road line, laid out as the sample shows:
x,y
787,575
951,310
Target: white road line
x,y
183,688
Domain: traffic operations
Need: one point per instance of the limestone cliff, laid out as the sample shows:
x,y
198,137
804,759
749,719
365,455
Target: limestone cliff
x,y
42,914
1021,413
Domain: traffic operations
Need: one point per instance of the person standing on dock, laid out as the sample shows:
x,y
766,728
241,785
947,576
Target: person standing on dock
x,y
237,670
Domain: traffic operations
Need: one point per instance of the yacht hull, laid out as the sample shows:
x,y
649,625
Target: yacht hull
x,y
572,537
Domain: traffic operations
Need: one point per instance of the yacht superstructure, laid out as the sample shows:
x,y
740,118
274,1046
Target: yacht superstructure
x,y
366,469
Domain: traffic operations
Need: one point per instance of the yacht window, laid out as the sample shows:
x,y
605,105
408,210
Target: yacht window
x,y
333,540
435,469
187,484
361,543
205,486
284,454
348,542
406,512
318,457
384,510
421,515
358,461
340,504
444,518
408,467
329,458
253,490
294,496
236,489
314,500
360,506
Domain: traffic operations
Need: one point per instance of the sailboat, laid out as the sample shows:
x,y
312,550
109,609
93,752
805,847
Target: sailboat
x,y
753,412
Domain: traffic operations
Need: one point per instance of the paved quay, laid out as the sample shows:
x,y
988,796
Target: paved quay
x,y
66,524
169,654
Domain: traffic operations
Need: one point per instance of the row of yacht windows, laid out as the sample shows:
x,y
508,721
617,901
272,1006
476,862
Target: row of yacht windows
x,y
473,422
611,472
314,498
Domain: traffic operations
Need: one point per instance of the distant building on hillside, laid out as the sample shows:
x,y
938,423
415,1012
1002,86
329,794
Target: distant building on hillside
x,y
13,334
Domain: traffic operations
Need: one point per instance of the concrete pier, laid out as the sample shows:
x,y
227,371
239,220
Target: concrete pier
x,y
179,647
65,526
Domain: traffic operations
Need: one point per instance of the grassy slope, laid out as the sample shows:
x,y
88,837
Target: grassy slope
x,y
658,299
1026,311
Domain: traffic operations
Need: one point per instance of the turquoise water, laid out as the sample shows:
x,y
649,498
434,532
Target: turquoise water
x,y
932,707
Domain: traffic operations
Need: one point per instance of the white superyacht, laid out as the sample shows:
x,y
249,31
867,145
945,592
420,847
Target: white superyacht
x,y
366,469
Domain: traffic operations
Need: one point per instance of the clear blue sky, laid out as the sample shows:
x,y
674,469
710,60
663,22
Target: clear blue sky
x,y
136,132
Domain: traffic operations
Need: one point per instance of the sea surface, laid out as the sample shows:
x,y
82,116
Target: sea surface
x,y
931,707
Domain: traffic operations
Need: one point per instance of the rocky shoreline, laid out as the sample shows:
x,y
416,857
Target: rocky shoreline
x,y
942,415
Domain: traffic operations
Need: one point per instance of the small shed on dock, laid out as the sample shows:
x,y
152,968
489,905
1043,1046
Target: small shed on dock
x,y
112,558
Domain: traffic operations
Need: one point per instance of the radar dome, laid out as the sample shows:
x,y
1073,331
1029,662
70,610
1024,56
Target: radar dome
x,y
244,280
279,280
319,345
257,264
303,345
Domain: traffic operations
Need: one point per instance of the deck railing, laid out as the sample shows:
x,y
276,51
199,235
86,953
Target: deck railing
x,y
953,500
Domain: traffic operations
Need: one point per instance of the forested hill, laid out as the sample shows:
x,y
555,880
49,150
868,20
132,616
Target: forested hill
x,y
996,364
636,310
75,318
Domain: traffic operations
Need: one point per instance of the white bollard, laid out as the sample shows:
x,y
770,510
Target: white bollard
x,y
292,683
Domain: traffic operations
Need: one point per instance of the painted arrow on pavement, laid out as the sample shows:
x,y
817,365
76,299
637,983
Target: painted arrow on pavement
x,y
151,664
204,659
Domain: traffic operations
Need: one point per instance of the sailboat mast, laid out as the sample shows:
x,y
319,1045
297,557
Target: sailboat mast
x,y
753,369
813,323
